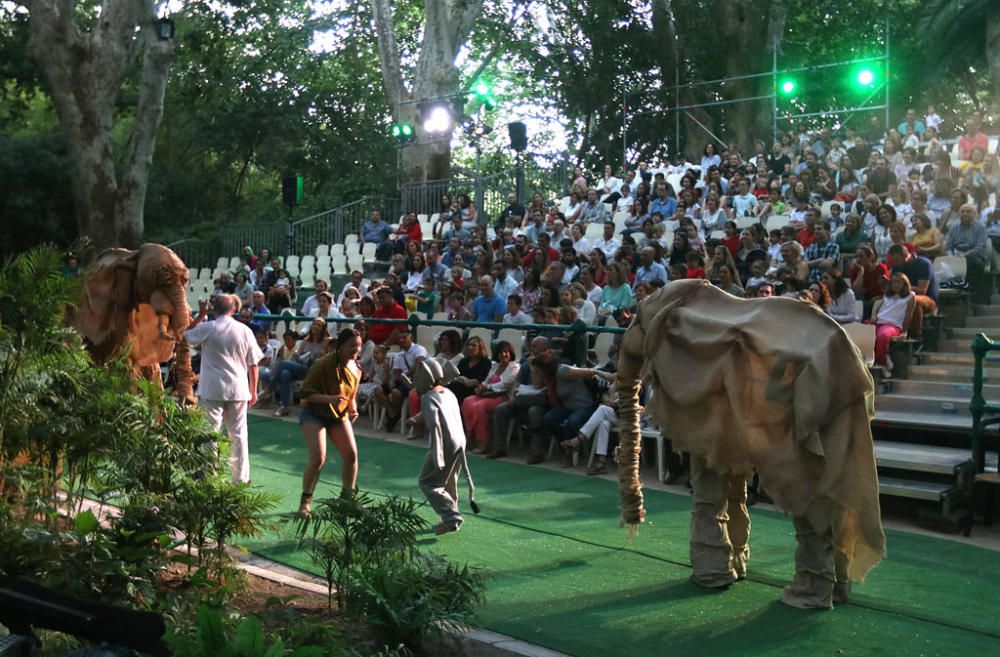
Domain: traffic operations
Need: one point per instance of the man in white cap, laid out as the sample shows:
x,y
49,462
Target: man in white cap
x,y
446,440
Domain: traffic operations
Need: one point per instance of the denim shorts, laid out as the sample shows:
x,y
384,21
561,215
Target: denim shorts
x,y
308,417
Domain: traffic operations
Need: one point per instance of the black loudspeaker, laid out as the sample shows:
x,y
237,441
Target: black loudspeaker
x,y
518,136
291,190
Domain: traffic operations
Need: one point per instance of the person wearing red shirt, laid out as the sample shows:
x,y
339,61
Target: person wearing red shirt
x,y
806,237
408,231
972,138
732,239
382,333
544,243
868,276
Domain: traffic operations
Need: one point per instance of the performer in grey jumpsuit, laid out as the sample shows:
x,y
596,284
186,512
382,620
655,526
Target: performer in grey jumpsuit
x,y
446,441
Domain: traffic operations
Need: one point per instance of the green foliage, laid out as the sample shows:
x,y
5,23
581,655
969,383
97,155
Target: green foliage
x,y
214,640
367,549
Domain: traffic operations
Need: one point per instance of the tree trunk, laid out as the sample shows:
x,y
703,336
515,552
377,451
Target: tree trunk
x,y
84,71
993,45
446,27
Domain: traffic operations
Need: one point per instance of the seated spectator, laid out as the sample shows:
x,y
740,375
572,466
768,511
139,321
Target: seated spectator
x,y
849,239
311,303
325,309
593,210
892,317
793,260
818,295
223,285
590,286
488,306
928,240
404,363
282,292
575,297
971,139
842,306
823,254
695,266
729,281
243,289
457,312
920,272
650,270
868,277
376,231
750,251
312,347
473,369
570,400
515,315
388,308
732,239
493,391
967,238
616,295
375,376
407,232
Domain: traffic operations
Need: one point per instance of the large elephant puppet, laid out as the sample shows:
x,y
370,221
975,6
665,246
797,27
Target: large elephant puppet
x,y
137,299
768,384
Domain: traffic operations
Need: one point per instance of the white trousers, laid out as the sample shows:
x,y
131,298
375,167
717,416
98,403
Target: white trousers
x,y
598,427
232,415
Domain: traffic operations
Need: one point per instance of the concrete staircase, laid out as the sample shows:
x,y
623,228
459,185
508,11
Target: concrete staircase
x,y
923,423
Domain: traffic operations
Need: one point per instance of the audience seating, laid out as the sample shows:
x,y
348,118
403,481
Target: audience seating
x,y
515,337
778,221
322,250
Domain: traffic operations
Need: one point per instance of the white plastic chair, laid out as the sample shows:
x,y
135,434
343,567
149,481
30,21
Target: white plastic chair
x,y
956,264
778,221
322,250
515,337
222,263
336,249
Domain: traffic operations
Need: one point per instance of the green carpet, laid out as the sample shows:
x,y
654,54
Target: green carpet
x,y
561,575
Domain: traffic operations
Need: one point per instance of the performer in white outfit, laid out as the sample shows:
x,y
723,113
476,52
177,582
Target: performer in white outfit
x,y
227,386
446,441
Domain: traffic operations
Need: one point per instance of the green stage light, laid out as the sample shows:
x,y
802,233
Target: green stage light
x,y
866,77
483,89
402,133
397,130
787,87
407,130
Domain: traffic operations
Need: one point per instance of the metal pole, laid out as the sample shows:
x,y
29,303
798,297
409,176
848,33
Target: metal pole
x,y
886,68
677,105
774,89
519,177
624,129
479,180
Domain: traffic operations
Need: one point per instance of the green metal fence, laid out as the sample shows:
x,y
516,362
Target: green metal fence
x,y
576,333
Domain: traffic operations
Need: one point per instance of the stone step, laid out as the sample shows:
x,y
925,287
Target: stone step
x,y
992,309
913,489
920,458
957,424
946,358
963,346
961,390
901,403
983,322
954,373
969,333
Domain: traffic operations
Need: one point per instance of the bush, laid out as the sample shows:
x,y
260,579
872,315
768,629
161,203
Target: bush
x,y
367,549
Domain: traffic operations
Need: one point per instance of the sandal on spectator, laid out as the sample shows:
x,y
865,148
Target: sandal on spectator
x,y
572,444
598,468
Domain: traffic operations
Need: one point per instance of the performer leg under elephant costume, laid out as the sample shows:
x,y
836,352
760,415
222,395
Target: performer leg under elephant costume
x,y
768,384
137,298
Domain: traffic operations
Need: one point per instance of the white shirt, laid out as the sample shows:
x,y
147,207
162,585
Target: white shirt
x,y
582,246
594,296
363,289
505,288
228,350
520,318
311,306
608,247
609,186
405,360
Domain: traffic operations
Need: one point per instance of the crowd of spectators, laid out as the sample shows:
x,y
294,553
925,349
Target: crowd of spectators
x,y
865,218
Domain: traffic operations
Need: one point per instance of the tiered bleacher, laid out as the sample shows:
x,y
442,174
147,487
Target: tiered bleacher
x,y
825,218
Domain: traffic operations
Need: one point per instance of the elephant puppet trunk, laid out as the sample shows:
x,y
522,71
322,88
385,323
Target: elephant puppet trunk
x,y
630,365
183,374
181,315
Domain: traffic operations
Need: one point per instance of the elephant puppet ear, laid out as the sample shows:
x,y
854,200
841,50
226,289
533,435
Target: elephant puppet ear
x,y
449,372
107,296
148,348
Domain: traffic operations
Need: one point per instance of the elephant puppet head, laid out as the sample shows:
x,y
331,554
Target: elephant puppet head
x,y
160,280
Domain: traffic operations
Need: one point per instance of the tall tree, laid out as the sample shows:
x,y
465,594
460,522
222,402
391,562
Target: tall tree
x,y
86,52
446,26
963,33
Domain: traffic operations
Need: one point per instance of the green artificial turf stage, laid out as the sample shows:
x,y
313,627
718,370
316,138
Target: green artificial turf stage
x,y
561,574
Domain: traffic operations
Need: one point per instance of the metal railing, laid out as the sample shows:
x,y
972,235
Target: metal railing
x,y
332,226
983,414
576,332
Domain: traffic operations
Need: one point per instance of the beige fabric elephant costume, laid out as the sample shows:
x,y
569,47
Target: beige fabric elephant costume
x,y
767,384
137,299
